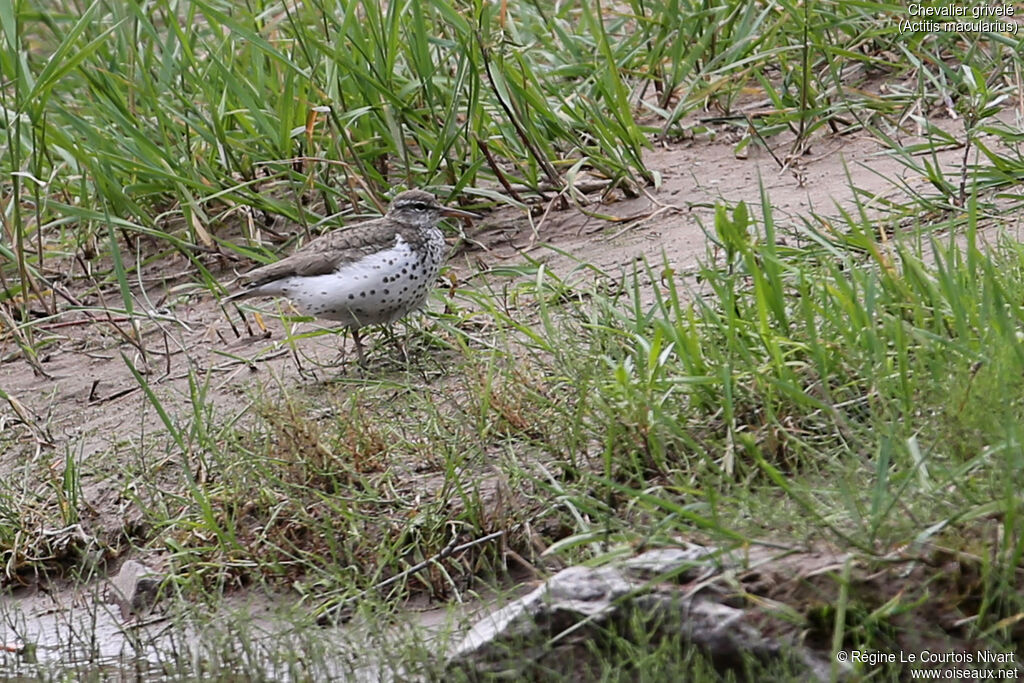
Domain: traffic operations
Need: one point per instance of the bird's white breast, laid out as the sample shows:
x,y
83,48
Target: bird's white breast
x,y
378,288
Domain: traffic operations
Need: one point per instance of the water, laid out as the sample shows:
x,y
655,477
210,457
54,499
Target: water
x,y
77,633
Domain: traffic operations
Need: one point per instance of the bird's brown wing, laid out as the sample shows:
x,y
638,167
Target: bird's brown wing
x,y
325,253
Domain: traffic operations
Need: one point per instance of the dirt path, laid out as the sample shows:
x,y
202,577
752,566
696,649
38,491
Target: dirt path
x,y
90,402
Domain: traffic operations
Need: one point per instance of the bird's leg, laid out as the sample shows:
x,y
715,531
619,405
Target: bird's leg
x,y
359,347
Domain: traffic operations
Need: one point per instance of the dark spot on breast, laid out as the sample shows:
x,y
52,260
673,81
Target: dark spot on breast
x,y
351,296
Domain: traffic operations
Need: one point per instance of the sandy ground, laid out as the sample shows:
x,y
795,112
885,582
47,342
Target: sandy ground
x,y
88,400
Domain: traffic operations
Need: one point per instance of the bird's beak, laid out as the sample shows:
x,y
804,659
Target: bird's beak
x,y
457,213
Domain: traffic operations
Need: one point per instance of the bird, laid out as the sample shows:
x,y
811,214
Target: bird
x,y
369,273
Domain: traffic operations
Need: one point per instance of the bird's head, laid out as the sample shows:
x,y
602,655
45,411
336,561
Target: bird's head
x,y
420,208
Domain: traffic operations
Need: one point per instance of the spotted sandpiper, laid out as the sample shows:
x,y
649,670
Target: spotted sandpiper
x,y
370,273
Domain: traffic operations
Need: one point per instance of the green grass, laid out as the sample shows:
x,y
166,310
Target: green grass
x,y
163,122
851,382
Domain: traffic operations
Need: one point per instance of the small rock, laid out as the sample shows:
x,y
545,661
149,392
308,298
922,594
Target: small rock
x,y
135,589
553,625
686,563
